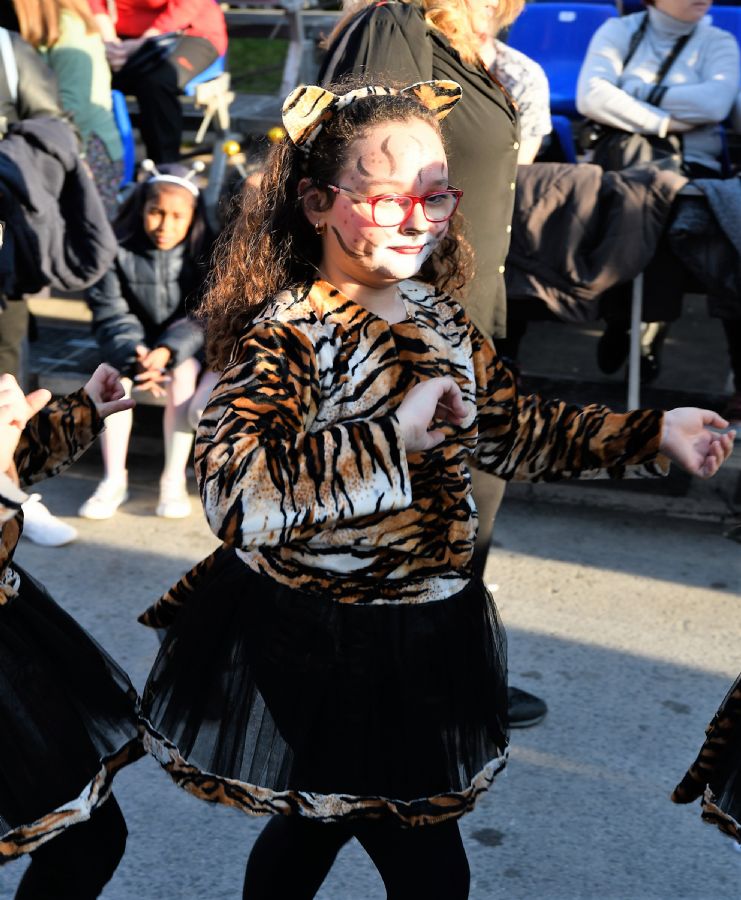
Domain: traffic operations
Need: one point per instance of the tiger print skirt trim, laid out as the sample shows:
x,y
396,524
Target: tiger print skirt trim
x,y
716,772
714,815
27,838
68,719
259,801
274,700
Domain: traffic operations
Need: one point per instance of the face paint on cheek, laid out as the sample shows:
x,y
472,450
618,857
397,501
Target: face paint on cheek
x,y
353,254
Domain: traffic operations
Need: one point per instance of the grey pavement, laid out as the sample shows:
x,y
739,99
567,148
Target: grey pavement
x,y
622,609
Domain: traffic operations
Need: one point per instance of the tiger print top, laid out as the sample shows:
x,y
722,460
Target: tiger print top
x,y
51,441
301,462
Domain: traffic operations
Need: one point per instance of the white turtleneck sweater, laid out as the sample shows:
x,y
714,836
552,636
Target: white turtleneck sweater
x,y
701,85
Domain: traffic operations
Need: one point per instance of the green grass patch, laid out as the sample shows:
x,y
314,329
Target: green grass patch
x,y
256,64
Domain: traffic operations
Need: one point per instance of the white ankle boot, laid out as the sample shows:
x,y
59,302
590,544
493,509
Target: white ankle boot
x,y
174,501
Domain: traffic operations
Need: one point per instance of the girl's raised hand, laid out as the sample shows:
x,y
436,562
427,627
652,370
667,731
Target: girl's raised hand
x,y
107,392
16,408
437,398
687,438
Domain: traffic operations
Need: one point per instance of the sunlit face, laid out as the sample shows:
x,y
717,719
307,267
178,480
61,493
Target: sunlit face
x,y
484,20
684,10
168,213
393,158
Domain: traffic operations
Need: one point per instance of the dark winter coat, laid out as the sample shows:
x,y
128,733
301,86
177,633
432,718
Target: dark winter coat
x,y
57,233
578,231
144,298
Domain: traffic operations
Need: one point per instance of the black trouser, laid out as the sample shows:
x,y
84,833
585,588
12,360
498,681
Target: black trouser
x,y
292,856
520,311
732,328
78,863
157,87
13,330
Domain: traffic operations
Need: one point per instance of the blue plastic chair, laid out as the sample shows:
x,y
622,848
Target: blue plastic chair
x,y
557,35
728,18
216,68
123,123
563,134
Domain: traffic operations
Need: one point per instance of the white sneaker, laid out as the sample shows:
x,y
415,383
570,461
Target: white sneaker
x,y
40,526
174,501
106,499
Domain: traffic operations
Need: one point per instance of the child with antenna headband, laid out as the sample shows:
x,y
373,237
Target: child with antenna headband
x,y
335,665
142,323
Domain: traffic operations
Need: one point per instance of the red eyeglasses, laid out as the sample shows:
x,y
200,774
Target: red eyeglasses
x,y
391,210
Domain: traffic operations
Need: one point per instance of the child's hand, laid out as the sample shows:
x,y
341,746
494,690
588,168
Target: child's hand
x,y
159,358
106,391
687,439
437,398
16,408
152,369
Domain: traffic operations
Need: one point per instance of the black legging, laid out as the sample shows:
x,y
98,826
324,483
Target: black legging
x,y
292,856
157,88
78,863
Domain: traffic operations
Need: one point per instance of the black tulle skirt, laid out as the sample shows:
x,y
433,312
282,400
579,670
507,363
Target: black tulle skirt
x,y
68,721
276,701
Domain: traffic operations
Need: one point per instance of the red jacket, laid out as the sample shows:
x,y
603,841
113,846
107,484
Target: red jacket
x,y
196,18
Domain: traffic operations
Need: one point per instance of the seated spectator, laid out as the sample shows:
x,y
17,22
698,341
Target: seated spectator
x,y
140,319
66,33
154,48
672,77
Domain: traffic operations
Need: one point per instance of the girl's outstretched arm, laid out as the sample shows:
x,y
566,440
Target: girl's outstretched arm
x,y
529,438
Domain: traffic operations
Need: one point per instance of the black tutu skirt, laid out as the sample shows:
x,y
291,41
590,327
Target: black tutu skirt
x,y
715,775
68,721
275,701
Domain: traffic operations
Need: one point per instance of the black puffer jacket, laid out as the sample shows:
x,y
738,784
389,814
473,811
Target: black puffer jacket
x,y
144,299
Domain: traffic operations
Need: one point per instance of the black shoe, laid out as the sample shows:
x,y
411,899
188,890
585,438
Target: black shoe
x,y
524,709
613,348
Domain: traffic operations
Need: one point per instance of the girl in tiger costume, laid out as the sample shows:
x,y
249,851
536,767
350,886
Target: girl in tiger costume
x,y
68,713
334,664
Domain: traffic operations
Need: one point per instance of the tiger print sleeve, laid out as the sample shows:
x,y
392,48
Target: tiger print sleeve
x,y
56,436
265,477
528,438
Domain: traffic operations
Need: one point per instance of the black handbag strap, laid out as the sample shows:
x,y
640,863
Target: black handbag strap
x,y
635,40
657,91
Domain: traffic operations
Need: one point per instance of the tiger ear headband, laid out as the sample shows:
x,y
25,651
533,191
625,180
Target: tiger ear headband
x,y
155,176
309,107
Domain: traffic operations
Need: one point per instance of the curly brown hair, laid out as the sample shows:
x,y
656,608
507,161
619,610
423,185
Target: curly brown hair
x,y
271,246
